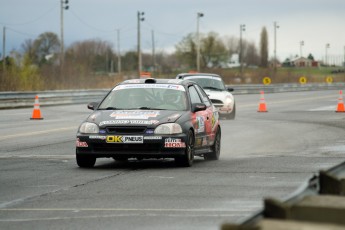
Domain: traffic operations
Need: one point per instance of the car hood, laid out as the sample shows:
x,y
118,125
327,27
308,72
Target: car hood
x,y
150,118
219,95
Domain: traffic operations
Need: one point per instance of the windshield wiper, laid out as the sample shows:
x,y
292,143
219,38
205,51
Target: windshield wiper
x,y
109,108
149,108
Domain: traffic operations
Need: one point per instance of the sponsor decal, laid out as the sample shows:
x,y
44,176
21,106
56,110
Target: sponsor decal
x,y
132,81
79,143
150,86
93,117
125,139
200,125
198,142
174,117
204,142
153,138
174,143
97,137
127,122
213,120
134,114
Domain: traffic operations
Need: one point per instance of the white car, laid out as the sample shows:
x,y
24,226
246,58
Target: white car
x,y
216,90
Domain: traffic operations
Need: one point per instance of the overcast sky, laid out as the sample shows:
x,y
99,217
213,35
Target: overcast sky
x,y
316,22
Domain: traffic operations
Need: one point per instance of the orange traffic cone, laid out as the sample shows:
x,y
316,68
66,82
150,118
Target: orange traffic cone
x,y
262,104
36,113
340,107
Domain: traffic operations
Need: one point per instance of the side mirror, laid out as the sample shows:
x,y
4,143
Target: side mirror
x,y
92,105
198,107
230,89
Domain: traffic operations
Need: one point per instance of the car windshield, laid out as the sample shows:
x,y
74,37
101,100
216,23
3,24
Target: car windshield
x,y
208,82
146,96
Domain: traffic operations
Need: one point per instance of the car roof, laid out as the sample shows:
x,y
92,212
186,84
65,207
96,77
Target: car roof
x,y
183,75
157,81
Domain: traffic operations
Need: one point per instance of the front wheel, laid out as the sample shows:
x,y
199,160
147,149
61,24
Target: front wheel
x,y
187,159
85,161
215,148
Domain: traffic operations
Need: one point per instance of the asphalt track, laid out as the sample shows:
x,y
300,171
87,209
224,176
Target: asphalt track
x,y
263,155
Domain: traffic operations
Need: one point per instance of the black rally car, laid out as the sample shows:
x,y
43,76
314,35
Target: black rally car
x,y
150,118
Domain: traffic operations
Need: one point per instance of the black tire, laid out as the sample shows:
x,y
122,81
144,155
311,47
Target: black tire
x,y
187,159
231,116
85,161
214,155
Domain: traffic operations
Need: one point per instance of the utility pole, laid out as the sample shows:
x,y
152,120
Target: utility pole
x,y
326,57
3,49
140,18
242,28
63,7
275,47
118,53
199,15
300,48
153,53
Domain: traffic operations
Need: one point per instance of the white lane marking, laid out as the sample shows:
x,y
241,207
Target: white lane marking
x,y
36,133
39,156
127,209
124,215
289,101
324,108
162,177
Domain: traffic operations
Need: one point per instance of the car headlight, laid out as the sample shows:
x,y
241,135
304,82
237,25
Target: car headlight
x,y
88,127
228,100
169,128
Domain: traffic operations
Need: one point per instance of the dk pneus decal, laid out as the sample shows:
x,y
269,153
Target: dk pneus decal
x,y
125,139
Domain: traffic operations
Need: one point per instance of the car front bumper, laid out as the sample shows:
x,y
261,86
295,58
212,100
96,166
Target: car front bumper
x,y
131,145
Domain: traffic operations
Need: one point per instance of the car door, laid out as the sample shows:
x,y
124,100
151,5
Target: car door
x,y
202,120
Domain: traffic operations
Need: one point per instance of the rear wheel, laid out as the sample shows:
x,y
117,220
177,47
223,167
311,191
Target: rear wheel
x,y
85,161
214,155
187,159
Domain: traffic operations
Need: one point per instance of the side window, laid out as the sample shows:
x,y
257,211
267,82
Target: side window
x,y
205,98
194,96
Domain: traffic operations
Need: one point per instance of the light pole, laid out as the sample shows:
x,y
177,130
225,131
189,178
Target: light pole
x,y
275,46
118,53
3,49
140,19
301,43
199,15
63,7
242,28
326,57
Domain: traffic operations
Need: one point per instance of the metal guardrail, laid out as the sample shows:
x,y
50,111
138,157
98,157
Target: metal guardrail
x,y
319,202
13,100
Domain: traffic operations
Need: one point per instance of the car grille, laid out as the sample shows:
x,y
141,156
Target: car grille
x,y
215,101
126,130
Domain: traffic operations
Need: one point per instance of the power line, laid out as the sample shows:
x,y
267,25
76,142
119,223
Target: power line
x,y
31,21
